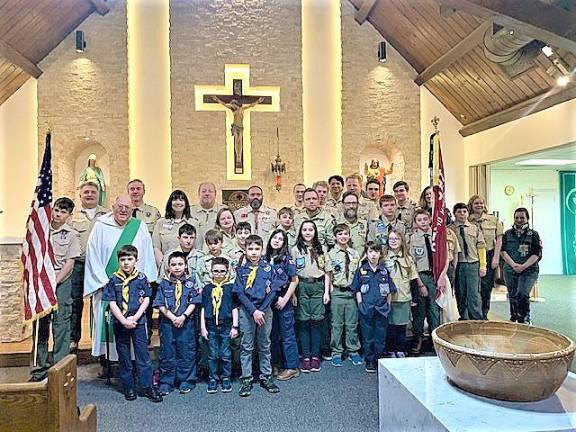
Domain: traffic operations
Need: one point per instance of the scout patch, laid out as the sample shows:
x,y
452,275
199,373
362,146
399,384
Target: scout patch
x,y
63,235
189,284
524,249
141,296
419,251
141,276
364,288
384,289
363,272
300,262
337,266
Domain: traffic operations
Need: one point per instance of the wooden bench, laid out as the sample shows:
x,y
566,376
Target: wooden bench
x,y
46,407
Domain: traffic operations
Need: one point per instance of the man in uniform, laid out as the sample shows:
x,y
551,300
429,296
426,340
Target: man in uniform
x,y
336,185
324,221
298,190
142,211
366,208
405,206
373,191
205,211
261,218
82,221
358,226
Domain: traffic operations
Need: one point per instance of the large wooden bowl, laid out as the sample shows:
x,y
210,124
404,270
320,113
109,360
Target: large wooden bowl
x,y
503,360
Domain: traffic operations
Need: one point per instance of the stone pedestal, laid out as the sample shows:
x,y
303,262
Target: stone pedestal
x,y
12,327
414,395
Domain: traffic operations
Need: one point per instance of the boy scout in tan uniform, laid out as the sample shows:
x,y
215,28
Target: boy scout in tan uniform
x,y
82,221
492,229
406,207
341,264
66,246
471,264
453,249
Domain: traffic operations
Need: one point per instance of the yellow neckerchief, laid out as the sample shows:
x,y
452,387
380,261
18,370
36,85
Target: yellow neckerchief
x,y
177,290
252,276
217,293
126,279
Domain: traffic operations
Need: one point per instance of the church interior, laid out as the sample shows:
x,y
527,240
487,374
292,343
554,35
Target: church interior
x,y
276,93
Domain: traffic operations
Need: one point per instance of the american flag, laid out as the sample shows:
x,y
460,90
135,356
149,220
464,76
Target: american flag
x,y
37,253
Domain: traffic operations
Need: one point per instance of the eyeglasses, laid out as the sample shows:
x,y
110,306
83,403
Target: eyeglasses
x,y
219,271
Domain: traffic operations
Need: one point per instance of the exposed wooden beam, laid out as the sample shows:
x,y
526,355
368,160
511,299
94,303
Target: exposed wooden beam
x,y
534,18
457,51
100,6
530,106
15,57
364,11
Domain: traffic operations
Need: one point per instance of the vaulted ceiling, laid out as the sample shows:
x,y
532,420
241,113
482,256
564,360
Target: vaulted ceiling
x,y
30,29
444,41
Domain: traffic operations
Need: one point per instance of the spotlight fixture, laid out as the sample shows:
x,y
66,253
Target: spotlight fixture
x,y
563,80
382,52
80,41
547,50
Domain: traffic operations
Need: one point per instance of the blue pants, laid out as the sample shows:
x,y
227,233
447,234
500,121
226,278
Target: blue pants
x,y
310,334
397,338
220,353
177,353
374,331
519,286
139,340
284,346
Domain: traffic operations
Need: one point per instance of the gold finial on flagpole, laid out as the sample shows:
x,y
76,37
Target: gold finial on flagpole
x,y
435,121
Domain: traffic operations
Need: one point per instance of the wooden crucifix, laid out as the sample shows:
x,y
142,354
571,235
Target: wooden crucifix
x,y
237,103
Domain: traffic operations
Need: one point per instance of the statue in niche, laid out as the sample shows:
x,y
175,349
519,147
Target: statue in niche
x,y
93,173
237,128
375,172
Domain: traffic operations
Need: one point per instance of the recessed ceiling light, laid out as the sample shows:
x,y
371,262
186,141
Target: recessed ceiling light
x,y
547,50
556,162
563,81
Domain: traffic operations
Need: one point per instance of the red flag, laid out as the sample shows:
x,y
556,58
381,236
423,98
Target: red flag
x,y
37,253
439,246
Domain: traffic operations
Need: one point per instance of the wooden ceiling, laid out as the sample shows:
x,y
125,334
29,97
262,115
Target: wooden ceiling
x,y
30,29
443,41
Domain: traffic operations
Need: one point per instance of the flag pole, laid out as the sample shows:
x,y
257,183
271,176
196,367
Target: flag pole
x,y
35,342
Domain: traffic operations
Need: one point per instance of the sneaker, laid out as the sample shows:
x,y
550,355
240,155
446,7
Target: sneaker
x,y
130,395
305,365
370,368
186,387
245,387
226,385
315,364
73,347
400,354
327,357
356,359
165,389
153,394
391,354
337,360
287,374
212,386
267,383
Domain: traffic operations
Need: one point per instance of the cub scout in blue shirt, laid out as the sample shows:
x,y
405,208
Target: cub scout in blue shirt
x,y
128,292
256,290
373,287
219,324
177,297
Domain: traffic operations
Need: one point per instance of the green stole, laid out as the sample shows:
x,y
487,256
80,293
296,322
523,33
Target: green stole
x,y
127,237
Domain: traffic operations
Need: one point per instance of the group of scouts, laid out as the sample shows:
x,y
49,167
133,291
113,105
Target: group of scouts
x,y
338,275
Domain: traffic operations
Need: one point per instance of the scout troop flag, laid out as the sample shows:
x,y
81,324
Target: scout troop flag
x,y
439,246
38,260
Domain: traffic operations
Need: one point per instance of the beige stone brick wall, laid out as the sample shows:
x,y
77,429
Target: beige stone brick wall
x,y
380,103
12,326
206,34
86,94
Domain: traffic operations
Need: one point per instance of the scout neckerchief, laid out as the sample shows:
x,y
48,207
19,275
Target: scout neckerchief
x,y
251,277
126,279
396,260
177,291
346,263
217,293
126,237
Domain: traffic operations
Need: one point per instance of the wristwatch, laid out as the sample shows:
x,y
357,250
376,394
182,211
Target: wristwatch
x,y
185,316
235,327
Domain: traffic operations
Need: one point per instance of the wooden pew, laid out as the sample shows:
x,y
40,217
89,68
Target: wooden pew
x,y
46,407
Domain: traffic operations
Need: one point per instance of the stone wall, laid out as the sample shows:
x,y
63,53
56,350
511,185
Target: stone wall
x,y
380,103
83,98
12,328
204,36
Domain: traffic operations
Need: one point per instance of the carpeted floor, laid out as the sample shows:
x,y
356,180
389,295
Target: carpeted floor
x,y
557,311
334,399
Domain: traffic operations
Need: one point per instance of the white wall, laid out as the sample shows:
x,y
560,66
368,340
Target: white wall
x,y
545,213
453,149
18,160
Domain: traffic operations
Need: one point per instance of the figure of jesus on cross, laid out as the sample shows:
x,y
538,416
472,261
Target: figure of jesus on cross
x,y
237,128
